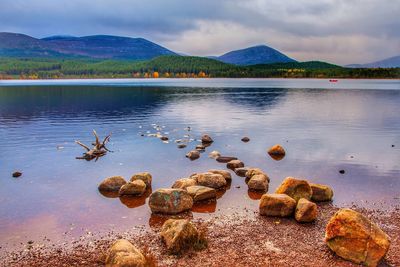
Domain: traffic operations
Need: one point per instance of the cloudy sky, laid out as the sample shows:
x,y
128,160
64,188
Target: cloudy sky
x,y
339,31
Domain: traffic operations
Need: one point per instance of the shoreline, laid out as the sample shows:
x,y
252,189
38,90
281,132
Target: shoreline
x,y
242,239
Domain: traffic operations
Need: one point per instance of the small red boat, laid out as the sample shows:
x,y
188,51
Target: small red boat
x,y
333,80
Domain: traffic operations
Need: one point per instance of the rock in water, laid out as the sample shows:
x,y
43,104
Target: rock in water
x,y
144,176
321,192
164,138
245,139
234,164
112,184
170,201
306,211
224,159
16,174
179,235
277,152
227,175
192,155
212,180
180,146
137,187
123,254
241,171
200,193
295,188
206,139
258,182
184,182
354,237
254,171
200,148
214,154
277,205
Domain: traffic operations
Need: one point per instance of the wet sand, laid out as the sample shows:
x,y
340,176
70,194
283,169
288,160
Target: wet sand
x,y
242,239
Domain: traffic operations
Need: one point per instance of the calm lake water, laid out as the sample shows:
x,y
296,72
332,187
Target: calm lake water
x,y
352,125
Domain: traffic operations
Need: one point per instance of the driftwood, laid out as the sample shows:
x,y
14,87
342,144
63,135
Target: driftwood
x,y
99,148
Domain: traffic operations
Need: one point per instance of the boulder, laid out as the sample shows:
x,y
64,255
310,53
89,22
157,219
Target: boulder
x,y
258,182
321,192
137,187
206,139
170,201
295,188
306,211
354,237
241,171
277,205
179,235
214,154
234,164
245,139
227,175
212,180
192,155
184,182
112,184
200,193
144,176
123,254
224,159
277,152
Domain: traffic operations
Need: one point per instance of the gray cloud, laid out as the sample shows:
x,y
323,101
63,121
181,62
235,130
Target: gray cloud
x,y
342,31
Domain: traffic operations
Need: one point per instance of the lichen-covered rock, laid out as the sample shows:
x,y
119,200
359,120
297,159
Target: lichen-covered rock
x,y
200,193
226,174
233,164
112,184
184,182
277,152
354,237
212,180
321,192
214,154
144,176
137,187
179,235
295,188
258,182
206,139
280,205
306,211
192,155
123,254
170,201
241,171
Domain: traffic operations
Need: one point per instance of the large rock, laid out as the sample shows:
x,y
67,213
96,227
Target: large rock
x,y
184,182
200,193
233,164
354,237
144,176
206,139
306,211
170,201
277,205
295,188
227,175
277,152
192,155
179,235
123,254
321,192
258,182
212,180
137,187
112,184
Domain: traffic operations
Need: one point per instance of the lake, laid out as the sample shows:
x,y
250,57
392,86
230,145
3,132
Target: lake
x,y
351,125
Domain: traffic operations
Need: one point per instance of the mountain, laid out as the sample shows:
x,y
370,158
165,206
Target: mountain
x,y
392,62
261,54
96,46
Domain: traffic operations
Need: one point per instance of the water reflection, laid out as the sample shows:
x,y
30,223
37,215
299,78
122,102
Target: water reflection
x,y
135,201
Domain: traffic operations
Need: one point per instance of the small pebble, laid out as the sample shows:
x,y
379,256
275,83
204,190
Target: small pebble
x,y
16,174
342,171
245,139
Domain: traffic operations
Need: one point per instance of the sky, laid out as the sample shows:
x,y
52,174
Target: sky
x,y
338,31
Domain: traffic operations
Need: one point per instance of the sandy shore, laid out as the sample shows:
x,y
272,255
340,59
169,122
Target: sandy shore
x,y
244,239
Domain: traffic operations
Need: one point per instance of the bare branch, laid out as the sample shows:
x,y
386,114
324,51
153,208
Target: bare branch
x,y
82,145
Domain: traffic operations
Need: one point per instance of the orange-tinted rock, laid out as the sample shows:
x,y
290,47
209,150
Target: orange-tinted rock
x,y
144,176
137,187
233,164
123,254
226,174
321,192
277,205
184,183
295,188
212,180
306,211
112,184
258,182
277,152
200,193
170,201
179,235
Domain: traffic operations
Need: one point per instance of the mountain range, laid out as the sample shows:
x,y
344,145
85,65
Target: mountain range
x,y
15,45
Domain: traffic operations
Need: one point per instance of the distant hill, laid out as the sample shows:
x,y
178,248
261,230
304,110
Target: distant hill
x,y
309,65
392,62
96,46
261,54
